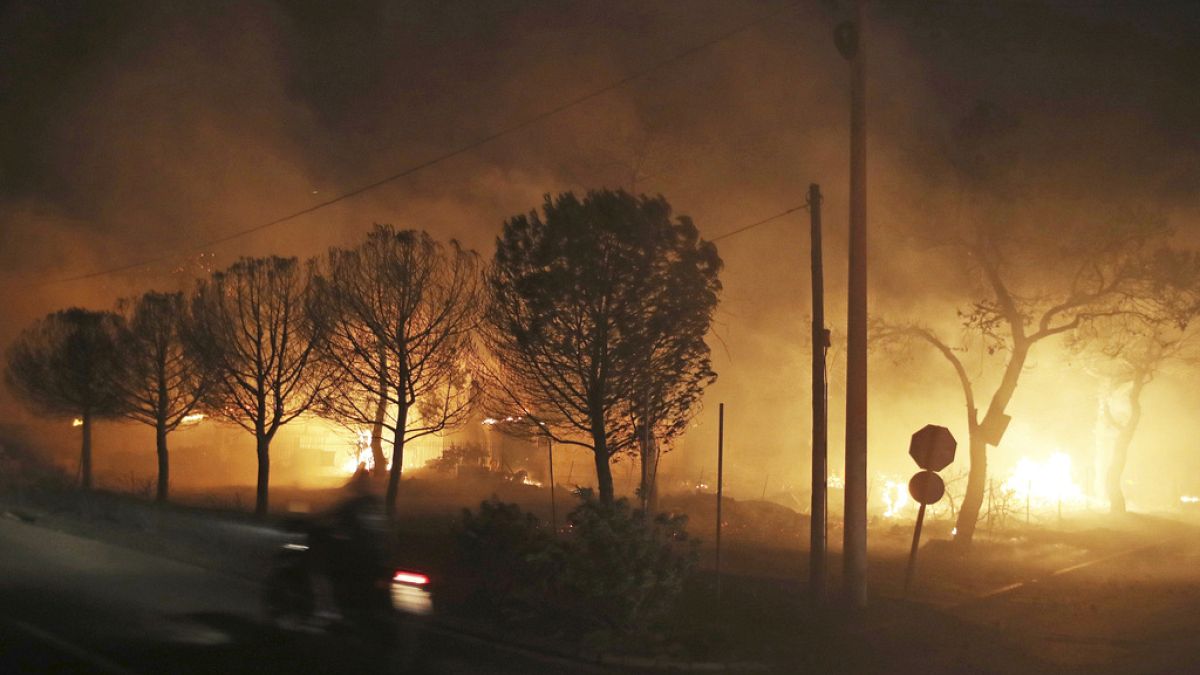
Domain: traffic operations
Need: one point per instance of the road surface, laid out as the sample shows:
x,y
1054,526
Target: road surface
x,y
75,605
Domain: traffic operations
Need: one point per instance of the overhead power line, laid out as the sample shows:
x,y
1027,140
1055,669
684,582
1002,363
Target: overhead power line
x,y
764,221
408,171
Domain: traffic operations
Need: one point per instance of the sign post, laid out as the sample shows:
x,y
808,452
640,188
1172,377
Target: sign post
x,y
932,447
926,487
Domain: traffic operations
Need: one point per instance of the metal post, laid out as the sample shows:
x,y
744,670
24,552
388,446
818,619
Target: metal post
x,y
553,504
912,554
854,543
820,416
720,477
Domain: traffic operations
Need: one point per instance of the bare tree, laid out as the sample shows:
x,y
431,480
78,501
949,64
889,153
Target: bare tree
x,y
399,312
1099,273
253,332
1129,352
66,365
162,382
599,308
1027,281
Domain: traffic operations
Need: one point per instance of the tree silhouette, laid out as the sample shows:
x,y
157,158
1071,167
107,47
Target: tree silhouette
x,y
1130,351
1026,282
596,322
65,365
253,332
1098,273
161,382
398,313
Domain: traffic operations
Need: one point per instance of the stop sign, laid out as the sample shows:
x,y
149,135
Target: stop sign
x,y
933,447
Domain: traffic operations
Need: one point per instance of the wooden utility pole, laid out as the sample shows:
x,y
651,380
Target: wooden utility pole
x,y
720,480
849,37
820,415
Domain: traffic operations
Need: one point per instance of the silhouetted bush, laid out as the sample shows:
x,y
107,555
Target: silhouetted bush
x,y
621,567
612,571
509,552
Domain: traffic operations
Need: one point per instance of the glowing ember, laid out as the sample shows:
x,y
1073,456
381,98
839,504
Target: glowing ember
x,y
192,419
77,422
492,421
529,481
836,482
1045,484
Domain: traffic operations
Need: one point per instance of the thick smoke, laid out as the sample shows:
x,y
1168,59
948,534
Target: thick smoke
x,y
145,129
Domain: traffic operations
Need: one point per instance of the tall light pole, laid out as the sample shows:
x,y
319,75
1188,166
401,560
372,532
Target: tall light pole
x,y
848,37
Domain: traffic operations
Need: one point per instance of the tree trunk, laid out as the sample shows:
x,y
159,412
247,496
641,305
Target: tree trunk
x,y
394,476
650,476
380,415
264,476
377,458
977,478
1116,466
604,478
164,470
968,513
85,453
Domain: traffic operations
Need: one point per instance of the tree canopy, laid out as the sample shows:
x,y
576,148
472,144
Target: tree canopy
x,y
597,317
398,313
66,365
162,382
252,330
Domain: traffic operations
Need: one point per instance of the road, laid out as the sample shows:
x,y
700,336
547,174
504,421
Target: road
x,y
75,605
1133,610
1132,613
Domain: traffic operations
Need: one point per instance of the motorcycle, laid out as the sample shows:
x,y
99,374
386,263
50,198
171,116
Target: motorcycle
x,y
318,583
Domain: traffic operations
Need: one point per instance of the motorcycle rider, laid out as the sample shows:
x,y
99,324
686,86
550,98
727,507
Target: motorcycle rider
x,y
349,547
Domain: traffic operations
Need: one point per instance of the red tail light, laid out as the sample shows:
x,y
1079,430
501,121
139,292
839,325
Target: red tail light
x,y
410,578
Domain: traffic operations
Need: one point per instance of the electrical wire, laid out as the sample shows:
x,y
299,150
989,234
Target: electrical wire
x,y
764,221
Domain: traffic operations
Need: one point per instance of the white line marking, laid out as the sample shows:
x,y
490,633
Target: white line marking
x,y
1066,570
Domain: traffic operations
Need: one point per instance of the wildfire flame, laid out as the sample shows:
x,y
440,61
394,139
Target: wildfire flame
x,y
895,497
1045,484
361,454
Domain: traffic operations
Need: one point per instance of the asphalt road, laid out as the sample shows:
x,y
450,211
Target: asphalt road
x,y
74,605
1133,612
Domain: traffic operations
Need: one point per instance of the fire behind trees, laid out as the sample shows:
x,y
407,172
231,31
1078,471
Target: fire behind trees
x,y
597,317
252,329
397,316
162,382
1031,281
